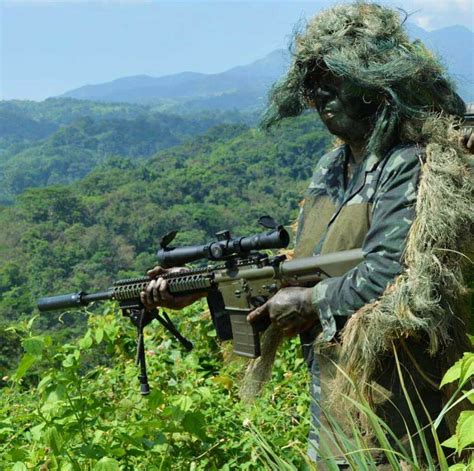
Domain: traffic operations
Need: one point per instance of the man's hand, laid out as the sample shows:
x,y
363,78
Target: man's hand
x,y
467,140
157,294
291,309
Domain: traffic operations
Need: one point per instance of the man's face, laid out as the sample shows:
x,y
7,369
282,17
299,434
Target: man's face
x,y
341,106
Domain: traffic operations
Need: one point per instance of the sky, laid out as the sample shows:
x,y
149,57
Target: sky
x,y
49,47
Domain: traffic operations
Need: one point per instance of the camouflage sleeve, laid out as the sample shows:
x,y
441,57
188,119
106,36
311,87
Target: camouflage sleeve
x,y
392,215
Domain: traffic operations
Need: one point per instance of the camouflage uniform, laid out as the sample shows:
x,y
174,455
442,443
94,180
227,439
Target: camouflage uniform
x,y
373,210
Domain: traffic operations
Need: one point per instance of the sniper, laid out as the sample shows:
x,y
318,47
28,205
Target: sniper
x,y
395,184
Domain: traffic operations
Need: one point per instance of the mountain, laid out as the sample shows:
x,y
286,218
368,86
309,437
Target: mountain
x,y
242,87
245,87
133,87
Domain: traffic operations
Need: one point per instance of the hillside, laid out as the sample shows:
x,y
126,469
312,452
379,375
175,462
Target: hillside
x,y
108,224
61,140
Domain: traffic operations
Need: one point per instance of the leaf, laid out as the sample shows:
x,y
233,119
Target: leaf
x,y
44,383
155,399
451,442
112,331
469,395
36,431
56,394
26,363
19,454
19,467
69,361
53,439
194,423
452,374
467,367
184,403
86,342
99,335
465,430
30,322
462,370
106,464
119,452
33,345
5,430
223,380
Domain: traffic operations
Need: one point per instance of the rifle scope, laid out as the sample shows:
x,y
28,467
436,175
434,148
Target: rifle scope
x,y
224,247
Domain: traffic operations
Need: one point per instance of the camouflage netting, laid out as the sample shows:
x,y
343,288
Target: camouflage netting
x,y
366,44
427,297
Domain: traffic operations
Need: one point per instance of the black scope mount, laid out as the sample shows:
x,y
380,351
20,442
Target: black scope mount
x,y
224,247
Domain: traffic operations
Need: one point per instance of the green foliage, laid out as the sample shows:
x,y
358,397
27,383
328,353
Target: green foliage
x,y
76,405
107,225
462,373
62,140
83,413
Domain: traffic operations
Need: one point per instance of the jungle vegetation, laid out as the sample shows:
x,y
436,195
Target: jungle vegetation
x,y
87,190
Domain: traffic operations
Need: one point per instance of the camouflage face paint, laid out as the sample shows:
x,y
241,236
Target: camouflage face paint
x,y
342,106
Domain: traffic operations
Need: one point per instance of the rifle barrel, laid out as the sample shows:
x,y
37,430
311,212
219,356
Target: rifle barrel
x,y
65,301
333,264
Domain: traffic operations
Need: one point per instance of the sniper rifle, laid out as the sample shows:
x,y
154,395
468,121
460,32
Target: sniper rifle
x,y
240,279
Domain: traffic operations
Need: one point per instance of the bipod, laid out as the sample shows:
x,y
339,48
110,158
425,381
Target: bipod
x,y
140,318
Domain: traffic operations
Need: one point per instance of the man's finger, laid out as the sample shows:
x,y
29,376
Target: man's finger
x,y
162,286
156,290
155,271
150,292
145,300
258,313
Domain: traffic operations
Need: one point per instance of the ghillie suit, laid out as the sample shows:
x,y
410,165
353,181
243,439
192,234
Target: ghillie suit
x,y
415,103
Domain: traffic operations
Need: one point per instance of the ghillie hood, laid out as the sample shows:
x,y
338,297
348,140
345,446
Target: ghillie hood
x,y
366,43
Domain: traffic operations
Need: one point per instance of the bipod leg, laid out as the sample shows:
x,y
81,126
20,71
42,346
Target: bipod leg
x,y
141,359
166,322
